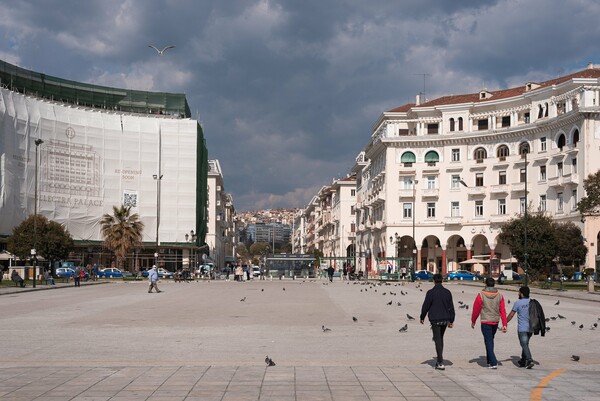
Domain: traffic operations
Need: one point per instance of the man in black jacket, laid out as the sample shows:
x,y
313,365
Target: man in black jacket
x,y
440,308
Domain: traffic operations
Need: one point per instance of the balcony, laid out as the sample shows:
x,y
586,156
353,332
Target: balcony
x,y
499,189
406,193
453,220
555,182
571,179
430,193
476,191
499,218
378,225
517,187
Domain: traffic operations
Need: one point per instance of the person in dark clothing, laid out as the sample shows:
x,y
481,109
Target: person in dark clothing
x,y
330,271
439,306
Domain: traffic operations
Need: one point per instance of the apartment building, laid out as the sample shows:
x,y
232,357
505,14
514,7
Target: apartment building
x,y
220,233
437,179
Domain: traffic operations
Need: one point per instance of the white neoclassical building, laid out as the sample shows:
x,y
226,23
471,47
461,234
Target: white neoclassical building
x,y
448,172
220,232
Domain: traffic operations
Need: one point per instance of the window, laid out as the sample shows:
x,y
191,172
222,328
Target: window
x,y
522,205
431,210
479,179
527,117
408,182
574,200
452,123
460,123
433,128
407,207
501,206
479,208
408,158
543,173
482,125
432,157
542,206
455,155
523,148
502,177
505,121
575,136
546,109
559,169
540,111
502,152
543,144
455,183
480,154
561,141
522,175
560,203
574,165
431,182
455,209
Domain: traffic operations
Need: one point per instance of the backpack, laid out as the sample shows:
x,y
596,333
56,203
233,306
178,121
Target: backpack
x,y
537,319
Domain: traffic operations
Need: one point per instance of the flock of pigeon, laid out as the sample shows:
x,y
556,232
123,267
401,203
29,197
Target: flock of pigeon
x,y
461,305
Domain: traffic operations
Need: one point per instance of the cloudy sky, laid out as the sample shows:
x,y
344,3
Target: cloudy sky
x,y
287,90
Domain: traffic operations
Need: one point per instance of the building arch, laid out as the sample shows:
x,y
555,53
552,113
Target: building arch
x,y
432,156
561,140
524,148
452,124
408,157
574,135
480,154
502,151
431,254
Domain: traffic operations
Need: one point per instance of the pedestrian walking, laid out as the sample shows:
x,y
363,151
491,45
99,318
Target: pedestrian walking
x,y
403,273
438,305
489,308
330,271
77,277
524,331
153,279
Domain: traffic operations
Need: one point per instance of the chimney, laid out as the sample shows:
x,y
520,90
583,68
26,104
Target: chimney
x,y
590,66
418,100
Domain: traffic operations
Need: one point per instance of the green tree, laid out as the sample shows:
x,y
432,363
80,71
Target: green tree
x,y
589,205
318,255
53,242
260,248
571,249
541,241
242,251
121,231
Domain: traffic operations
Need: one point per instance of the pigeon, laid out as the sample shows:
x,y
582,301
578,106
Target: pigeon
x,y
402,292
547,319
573,323
560,316
361,290
325,329
575,358
410,317
467,307
243,299
553,317
162,52
384,293
420,289
389,303
269,361
284,288
460,302
595,325
580,326
354,319
557,302
462,292
262,290
399,304
404,328
509,301
592,327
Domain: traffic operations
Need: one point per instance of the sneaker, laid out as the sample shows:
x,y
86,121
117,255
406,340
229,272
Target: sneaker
x,y
493,367
440,366
529,365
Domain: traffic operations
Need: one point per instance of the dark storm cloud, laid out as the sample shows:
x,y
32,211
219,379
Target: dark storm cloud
x,y
287,90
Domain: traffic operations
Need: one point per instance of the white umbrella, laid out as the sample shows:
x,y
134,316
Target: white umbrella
x,y
473,261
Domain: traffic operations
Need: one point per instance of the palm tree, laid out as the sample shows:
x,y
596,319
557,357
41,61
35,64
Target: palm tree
x,y
122,232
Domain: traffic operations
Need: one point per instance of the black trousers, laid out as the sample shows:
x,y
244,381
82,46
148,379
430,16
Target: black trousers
x,y
438,338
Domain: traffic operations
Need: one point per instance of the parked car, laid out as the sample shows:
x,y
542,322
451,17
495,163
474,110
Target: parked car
x,y
64,272
423,275
164,273
516,276
110,272
255,271
205,269
462,275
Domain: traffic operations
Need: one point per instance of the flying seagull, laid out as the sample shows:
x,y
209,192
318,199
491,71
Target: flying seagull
x,y
269,361
162,52
404,328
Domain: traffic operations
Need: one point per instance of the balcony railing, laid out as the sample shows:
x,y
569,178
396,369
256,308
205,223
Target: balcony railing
x,y
453,220
430,193
499,189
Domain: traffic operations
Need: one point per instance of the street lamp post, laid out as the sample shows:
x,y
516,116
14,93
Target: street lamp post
x,y
414,249
37,142
526,282
158,178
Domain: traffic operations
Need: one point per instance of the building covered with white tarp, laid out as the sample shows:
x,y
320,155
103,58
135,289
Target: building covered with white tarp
x,y
102,147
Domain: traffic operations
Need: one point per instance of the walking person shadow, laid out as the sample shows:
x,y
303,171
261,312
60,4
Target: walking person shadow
x,y
482,361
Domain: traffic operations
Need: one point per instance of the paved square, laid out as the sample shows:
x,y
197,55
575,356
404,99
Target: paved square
x,y
200,341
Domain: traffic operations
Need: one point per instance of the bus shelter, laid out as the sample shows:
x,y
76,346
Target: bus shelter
x,y
338,263
389,268
292,266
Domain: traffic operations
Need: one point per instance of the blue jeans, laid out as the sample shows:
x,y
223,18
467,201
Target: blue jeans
x,y
524,341
489,331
